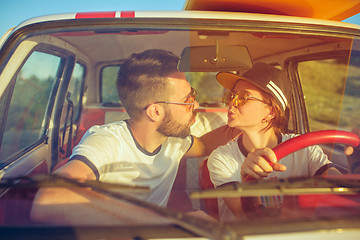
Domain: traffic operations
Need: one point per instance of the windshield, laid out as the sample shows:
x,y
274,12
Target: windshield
x,y
58,83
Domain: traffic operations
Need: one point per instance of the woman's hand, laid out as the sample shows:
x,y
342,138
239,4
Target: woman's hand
x,y
260,163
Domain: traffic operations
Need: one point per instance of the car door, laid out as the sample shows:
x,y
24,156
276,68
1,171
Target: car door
x,y
30,84
328,91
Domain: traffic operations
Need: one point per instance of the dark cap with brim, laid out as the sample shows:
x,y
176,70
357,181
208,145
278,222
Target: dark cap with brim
x,y
266,77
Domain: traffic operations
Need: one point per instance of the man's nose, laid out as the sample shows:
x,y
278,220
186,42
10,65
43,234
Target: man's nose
x,y
196,106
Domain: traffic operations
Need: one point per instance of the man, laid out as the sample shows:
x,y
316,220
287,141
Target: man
x,y
144,150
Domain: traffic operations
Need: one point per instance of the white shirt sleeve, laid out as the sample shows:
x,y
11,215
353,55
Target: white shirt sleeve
x,y
224,164
99,146
317,159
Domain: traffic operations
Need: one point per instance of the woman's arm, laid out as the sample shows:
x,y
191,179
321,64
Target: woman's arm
x,y
205,144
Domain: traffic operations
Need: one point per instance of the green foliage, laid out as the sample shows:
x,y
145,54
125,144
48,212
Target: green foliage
x,y
109,92
28,103
329,104
209,90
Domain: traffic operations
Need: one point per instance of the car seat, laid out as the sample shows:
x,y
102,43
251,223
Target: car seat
x,y
211,204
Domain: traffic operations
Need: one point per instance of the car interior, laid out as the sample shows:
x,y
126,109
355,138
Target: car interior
x,y
49,111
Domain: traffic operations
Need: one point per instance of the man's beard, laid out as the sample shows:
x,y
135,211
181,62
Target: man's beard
x,y
171,128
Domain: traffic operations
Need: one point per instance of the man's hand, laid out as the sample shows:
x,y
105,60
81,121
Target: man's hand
x,y
260,164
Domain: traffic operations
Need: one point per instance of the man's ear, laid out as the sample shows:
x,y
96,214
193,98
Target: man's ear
x,y
155,112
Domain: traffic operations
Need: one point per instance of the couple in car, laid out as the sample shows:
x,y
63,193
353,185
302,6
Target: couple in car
x,y
146,149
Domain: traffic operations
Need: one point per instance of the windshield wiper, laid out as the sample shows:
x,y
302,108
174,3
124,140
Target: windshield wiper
x,y
200,227
197,226
289,186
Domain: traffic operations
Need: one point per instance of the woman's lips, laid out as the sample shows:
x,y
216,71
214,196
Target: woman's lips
x,y
230,114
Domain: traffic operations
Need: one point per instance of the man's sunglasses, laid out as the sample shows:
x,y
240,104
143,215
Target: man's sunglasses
x,y
189,101
239,99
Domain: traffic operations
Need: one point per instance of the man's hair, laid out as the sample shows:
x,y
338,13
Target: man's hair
x,y
142,79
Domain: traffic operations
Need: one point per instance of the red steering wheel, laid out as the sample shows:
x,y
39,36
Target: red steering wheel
x,y
313,138
251,205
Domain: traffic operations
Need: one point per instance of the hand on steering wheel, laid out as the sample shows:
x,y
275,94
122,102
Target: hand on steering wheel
x,y
260,163
302,141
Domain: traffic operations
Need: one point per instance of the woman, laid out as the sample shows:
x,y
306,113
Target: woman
x,y
257,102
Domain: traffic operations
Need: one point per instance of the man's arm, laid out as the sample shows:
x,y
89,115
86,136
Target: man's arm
x,y
85,207
59,197
81,206
205,144
76,169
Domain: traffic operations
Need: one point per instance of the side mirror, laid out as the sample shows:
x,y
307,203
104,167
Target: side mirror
x,y
215,58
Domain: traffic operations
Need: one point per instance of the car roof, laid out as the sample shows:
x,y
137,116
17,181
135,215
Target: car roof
x,y
205,15
320,9
183,14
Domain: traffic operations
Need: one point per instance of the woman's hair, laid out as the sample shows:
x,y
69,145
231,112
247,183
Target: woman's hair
x,y
279,121
142,79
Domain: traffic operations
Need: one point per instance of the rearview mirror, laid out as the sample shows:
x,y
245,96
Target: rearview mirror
x,y
214,59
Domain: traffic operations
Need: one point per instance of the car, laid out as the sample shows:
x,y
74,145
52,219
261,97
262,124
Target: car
x,y
57,79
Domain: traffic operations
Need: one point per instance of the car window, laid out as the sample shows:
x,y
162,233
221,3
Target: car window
x,y
108,84
330,93
210,92
23,125
75,87
72,107
75,91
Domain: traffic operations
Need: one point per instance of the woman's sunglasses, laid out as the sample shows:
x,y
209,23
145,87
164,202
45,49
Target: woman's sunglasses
x,y
239,99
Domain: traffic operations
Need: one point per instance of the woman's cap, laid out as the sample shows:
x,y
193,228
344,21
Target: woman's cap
x,y
268,78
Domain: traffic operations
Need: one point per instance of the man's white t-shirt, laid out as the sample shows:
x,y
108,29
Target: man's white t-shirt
x,y
113,154
225,162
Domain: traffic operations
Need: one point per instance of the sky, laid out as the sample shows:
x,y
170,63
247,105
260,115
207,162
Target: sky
x,y
13,12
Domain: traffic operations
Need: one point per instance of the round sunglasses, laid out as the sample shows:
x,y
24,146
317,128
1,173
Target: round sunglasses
x,y
239,99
